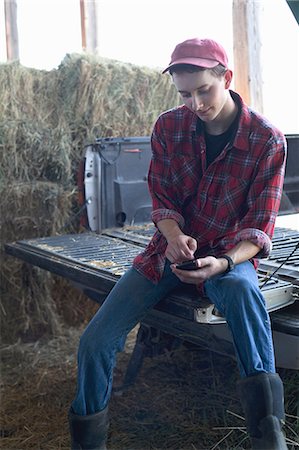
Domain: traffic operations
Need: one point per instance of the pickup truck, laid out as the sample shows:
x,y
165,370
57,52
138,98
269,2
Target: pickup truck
x,y
117,212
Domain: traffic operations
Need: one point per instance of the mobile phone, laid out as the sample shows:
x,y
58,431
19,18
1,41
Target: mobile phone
x,y
188,265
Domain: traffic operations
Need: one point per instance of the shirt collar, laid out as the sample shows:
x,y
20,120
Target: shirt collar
x,y
241,139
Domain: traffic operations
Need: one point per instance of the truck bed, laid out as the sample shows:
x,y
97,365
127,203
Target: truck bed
x,y
118,211
96,261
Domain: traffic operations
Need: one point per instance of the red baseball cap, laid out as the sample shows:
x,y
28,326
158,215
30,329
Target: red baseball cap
x,y
198,52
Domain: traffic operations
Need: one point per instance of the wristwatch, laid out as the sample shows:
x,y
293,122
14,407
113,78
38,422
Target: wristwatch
x,y
231,264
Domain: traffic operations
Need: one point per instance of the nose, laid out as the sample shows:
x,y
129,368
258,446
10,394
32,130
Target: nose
x,y
197,103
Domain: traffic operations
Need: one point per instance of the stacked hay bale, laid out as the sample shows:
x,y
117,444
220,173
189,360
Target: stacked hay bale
x,y
46,118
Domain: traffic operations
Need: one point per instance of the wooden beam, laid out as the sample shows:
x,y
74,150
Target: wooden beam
x,y
11,30
83,29
247,46
89,29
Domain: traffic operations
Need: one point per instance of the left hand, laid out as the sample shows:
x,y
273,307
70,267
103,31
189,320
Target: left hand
x,y
207,268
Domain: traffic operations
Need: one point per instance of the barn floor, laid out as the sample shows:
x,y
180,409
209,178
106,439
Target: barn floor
x,y
184,400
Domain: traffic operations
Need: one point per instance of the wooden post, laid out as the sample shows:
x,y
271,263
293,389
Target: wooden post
x,y
89,29
247,45
11,30
83,29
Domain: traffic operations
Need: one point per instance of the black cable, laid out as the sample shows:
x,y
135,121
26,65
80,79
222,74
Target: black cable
x,y
78,213
284,262
101,147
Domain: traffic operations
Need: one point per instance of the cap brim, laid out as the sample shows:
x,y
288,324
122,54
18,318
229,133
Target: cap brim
x,y
200,62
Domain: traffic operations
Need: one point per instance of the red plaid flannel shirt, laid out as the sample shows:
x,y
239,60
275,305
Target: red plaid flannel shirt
x,y
235,198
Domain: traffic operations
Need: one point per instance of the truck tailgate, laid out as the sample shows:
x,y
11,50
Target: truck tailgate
x,y
96,262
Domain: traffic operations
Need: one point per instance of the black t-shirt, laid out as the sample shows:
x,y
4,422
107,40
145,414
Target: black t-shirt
x,y
216,143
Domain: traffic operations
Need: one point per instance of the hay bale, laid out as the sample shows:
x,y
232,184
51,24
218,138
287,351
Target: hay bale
x,y
108,98
27,306
29,210
45,121
27,93
34,151
33,209
114,98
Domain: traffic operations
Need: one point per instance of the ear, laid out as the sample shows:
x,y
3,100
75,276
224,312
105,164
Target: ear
x,y
228,76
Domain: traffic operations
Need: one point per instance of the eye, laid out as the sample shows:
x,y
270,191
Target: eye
x,y
185,95
203,91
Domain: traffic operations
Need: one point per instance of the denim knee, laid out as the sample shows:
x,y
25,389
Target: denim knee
x,y
238,296
242,293
235,292
93,342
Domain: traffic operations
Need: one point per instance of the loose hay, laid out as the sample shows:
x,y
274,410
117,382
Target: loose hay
x,y
184,400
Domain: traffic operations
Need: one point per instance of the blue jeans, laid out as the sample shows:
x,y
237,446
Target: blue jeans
x,y
236,295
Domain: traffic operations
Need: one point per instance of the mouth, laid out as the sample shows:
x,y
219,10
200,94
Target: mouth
x,y
204,113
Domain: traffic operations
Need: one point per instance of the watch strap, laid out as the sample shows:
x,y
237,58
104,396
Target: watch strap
x,y
231,263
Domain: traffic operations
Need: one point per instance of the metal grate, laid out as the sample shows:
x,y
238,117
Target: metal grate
x,y
101,252
115,251
111,256
284,243
115,256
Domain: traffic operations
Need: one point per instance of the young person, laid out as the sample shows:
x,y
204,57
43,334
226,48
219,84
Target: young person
x,y
216,179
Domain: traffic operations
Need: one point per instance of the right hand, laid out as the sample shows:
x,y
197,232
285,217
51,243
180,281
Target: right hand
x,y
180,248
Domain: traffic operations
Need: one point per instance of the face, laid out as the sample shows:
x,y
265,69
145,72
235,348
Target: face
x,y
204,93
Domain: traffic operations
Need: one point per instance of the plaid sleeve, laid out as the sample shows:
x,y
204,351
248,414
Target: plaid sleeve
x,y
163,213
264,197
161,187
257,237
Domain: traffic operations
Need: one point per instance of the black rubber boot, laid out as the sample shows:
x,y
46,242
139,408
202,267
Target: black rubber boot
x,y
89,432
262,399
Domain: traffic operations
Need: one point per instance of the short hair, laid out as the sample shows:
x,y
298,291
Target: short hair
x,y
218,70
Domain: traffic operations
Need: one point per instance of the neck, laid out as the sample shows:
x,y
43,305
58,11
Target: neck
x,y
224,119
